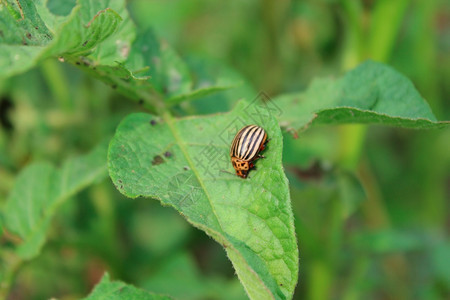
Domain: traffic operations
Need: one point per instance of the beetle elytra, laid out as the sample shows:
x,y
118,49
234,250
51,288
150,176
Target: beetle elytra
x,y
245,148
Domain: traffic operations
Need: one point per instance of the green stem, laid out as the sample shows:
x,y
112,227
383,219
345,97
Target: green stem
x,y
273,14
352,138
321,280
380,41
57,83
422,45
373,209
356,279
376,217
353,42
386,19
11,264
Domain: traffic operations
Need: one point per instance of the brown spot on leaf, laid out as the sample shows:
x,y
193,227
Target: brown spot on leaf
x,y
98,14
167,154
157,160
153,122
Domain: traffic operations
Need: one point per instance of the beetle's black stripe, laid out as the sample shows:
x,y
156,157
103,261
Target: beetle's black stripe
x,y
246,145
235,141
255,144
234,144
241,135
247,142
244,141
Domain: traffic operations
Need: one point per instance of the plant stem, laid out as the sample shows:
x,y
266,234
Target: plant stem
x,y
376,217
12,263
386,19
374,212
57,83
353,43
352,138
321,280
356,279
273,14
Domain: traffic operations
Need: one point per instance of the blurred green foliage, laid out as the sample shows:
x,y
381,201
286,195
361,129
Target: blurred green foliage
x,y
371,204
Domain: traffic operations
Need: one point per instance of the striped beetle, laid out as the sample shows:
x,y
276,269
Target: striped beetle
x,y
245,148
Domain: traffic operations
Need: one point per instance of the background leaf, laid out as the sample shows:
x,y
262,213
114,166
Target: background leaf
x,y
39,191
251,218
371,93
21,24
100,37
112,290
180,278
370,206
89,24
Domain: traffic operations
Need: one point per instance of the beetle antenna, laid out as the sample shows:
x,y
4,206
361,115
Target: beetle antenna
x,y
226,172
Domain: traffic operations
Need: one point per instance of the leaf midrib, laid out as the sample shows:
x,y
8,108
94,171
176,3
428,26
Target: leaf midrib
x,y
170,122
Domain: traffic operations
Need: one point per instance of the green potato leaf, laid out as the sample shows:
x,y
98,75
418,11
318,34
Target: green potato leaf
x,y
27,38
112,290
372,93
40,189
180,277
185,164
100,37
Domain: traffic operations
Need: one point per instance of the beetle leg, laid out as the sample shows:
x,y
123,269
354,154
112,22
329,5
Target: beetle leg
x,y
263,146
260,156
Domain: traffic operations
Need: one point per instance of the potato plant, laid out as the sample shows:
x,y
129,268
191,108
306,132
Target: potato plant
x,y
99,107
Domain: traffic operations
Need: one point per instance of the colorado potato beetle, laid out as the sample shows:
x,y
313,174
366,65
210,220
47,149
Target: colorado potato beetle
x,y
245,148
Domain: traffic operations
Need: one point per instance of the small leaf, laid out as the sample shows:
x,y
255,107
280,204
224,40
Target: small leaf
x,y
23,36
116,47
20,24
371,93
40,189
100,37
209,73
112,290
388,240
180,162
208,77
87,26
61,8
180,276
29,39
15,59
